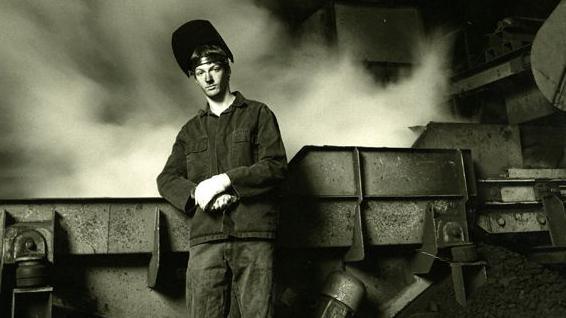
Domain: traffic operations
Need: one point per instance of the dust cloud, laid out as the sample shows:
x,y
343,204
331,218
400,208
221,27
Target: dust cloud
x,y
93,98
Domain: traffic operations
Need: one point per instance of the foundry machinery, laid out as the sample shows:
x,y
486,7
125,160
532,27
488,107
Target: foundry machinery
x,y
364,230
369,221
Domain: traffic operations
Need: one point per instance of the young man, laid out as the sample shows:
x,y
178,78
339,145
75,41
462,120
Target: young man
x,y
225,166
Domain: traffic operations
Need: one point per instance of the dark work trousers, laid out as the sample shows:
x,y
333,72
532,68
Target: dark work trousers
x,y
214,268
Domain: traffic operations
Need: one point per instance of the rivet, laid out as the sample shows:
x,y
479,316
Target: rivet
x,y
30,245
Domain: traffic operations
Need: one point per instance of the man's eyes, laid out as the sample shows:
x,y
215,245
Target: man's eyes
x,y
214,69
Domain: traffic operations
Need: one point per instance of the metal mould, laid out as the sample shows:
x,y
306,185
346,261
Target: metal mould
x,y
494,148
387,172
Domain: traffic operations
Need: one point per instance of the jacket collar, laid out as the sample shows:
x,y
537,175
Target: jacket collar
x,y
239,102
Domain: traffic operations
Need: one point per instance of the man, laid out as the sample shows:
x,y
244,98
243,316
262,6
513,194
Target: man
x,y
225,166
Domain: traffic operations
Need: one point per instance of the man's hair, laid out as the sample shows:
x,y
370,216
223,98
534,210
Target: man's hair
x,y
208,53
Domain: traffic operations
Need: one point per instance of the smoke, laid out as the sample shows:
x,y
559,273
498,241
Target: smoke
x,y
338,102
93,99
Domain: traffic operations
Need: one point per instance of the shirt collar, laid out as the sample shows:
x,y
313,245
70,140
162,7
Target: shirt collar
x,y
239,102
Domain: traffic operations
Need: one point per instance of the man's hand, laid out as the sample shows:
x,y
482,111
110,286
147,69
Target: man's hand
x,y
222,201
209,188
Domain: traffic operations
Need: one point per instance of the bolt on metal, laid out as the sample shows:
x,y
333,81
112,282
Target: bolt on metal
x,y
30,245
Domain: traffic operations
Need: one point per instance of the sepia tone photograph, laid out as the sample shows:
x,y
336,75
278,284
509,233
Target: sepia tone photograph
x,y
283,158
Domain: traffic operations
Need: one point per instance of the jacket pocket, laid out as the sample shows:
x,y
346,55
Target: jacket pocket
x,y
196,152
241,152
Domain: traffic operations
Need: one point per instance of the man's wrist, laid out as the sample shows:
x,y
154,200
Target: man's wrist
x,y
224,180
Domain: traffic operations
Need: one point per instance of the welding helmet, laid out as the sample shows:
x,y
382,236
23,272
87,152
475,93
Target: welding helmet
x,y
193,34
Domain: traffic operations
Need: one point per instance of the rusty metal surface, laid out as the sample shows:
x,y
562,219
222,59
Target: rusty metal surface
x,y
397,187
401,173
322,173
387,172
495,148
329,223
345,288
113,286
84,227
104,226
312,223
87,228
130,228
396,183
512,220
395,222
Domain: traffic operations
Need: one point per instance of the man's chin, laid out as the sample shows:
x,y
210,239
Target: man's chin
x,y
216,93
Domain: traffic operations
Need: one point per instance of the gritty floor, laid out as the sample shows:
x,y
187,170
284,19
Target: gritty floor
x,y
515,288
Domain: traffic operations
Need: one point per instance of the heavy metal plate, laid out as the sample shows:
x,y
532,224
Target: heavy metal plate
x,y
329,222
548,60
495,148
104,225
386,172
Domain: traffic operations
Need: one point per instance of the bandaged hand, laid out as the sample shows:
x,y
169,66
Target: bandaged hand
x,y
222,201
209,188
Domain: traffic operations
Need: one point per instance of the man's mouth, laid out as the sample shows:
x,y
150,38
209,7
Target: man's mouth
x,y
211,87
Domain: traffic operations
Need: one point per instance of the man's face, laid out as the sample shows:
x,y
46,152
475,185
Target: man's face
x,y
212,78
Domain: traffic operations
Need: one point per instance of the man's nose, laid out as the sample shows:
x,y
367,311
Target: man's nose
x,y
207,77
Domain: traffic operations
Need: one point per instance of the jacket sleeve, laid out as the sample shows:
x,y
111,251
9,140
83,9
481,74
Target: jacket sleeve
x,y
270,169
172,182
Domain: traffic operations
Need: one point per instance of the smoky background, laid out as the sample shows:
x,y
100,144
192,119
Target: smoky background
x,y
92,97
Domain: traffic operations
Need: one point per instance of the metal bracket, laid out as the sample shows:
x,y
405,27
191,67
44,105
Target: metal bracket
x,y
423,260
549,194
466,278
155,260
356,252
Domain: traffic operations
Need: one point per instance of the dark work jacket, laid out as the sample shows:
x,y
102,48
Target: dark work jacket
x,y
245,143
